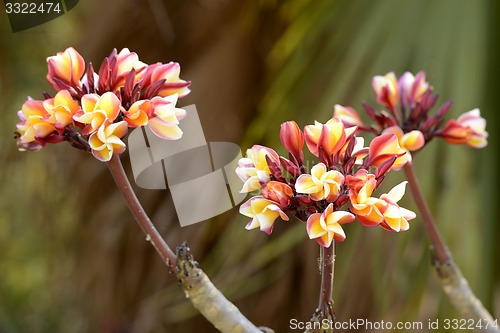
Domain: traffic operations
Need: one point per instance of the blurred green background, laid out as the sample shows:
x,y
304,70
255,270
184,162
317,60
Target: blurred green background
x,y
73,260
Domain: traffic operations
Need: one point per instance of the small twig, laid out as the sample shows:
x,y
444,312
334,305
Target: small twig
x,y
327,273
454,284
152,235
325,305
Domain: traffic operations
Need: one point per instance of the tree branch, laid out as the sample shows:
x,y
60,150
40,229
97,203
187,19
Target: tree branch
x,y
198,288
454,284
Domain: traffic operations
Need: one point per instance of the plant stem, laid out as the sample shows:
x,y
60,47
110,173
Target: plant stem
x,y
198,288
453,282
327,272
440,251
325,305
152,235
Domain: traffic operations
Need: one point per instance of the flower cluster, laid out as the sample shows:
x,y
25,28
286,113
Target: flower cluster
x,y
93,111
346,176
409,101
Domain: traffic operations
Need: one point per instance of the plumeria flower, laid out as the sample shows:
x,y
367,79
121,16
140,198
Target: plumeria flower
x,y
96,110
169,75
383,148
409,101
107,140
344,179
33,126
88,105
278,192
61,109
368,210
386,89
292,139
263,213
164,121
468,129
320,184
330,137
396,218
253,170
348,116
326,227
411,141
66,67
412,88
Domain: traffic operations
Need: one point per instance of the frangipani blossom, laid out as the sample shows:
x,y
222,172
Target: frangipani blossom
x,y
61,109
320,184
253,169
412,88
396,218
169,73
263,213
125,62
278,192
326,227
368,210
330,137
348,116
292,139
386,89
385,147
468,129
411,141
32,125
96,110
139,113
106,141
67,67
164,121
87,102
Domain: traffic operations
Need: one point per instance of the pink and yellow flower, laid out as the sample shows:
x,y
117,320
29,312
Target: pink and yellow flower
x,y
33,125
106,141
278,192
96,110
395,217
348,116
320,184
368,210
330,137
326,227
67,66
412,88
263,213
411,141
125,62
384,147
164,121
138,114
169,72
61,109
386,89
292,139
253,169
468,129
